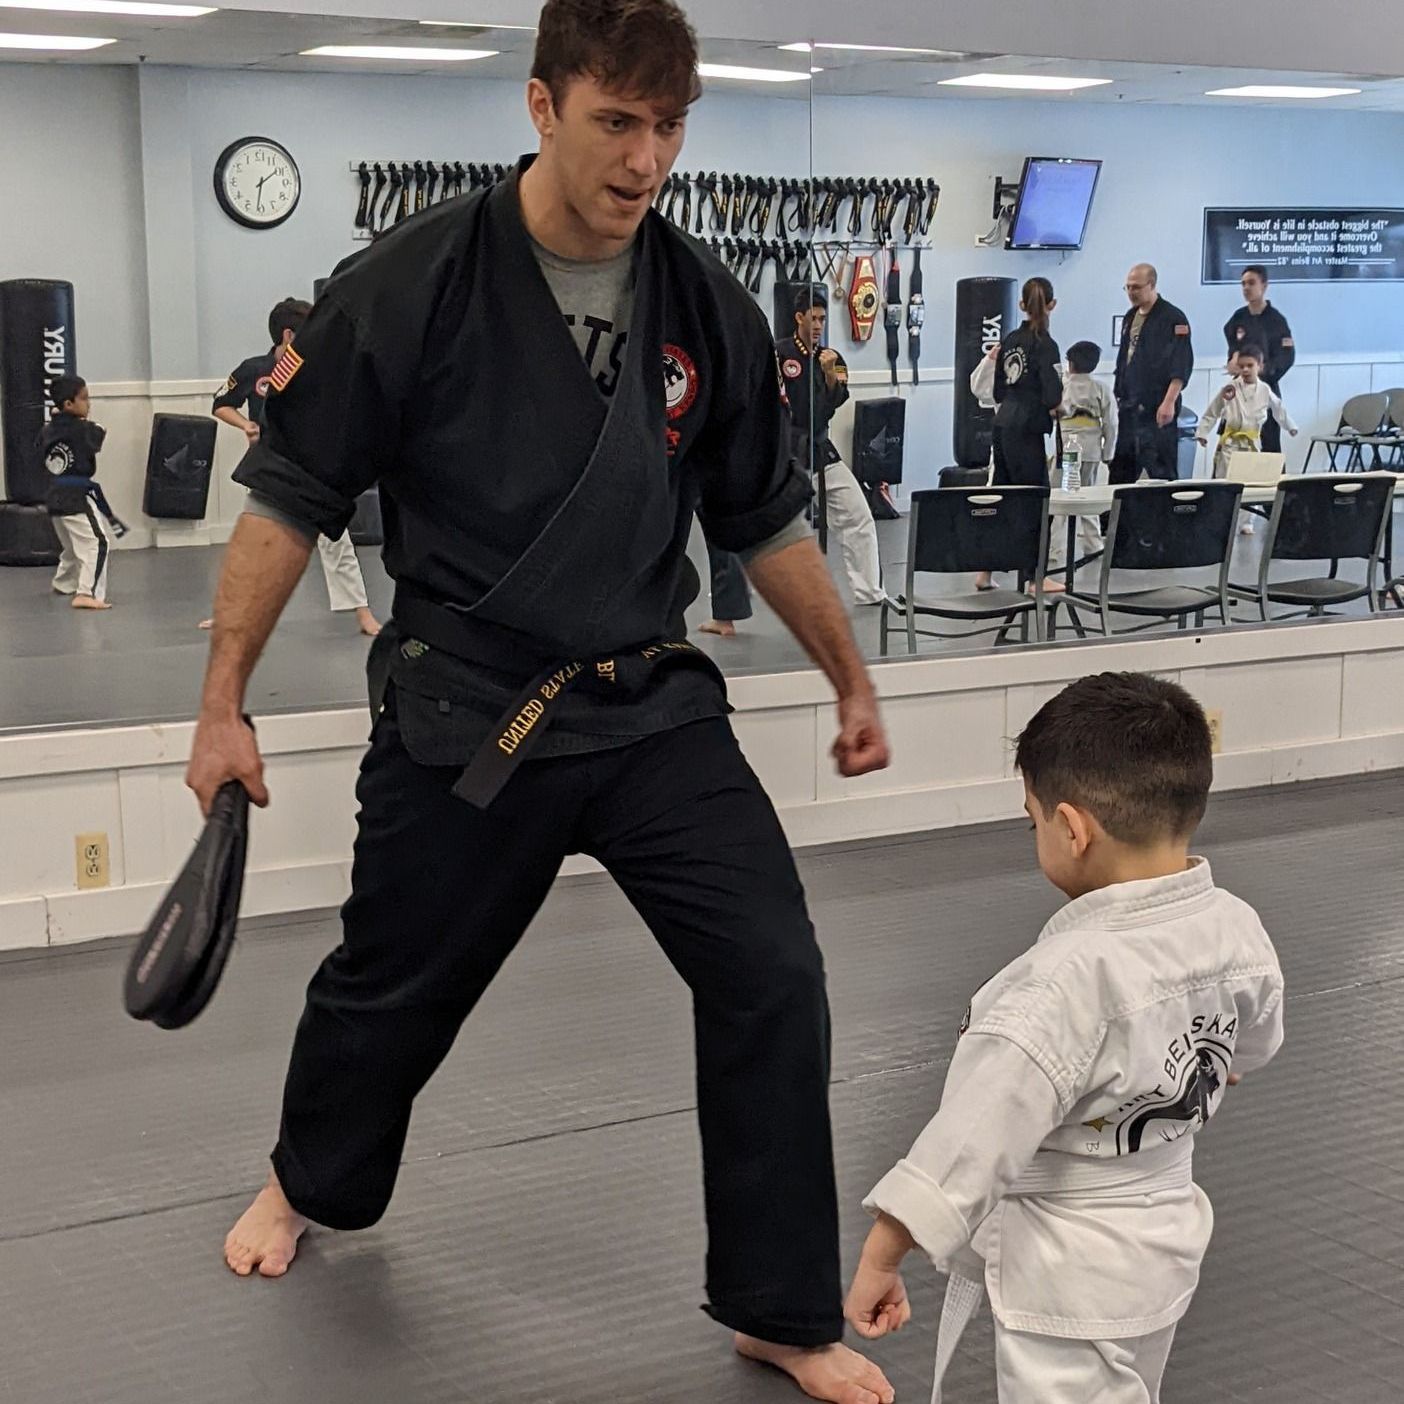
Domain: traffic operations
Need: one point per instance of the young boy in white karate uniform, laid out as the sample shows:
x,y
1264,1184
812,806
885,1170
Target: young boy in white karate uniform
x,y
1088,420
1243,405
1057,1173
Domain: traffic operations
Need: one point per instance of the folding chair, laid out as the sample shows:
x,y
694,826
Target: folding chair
x,y
958,531
1158,526
1362,418
1323,517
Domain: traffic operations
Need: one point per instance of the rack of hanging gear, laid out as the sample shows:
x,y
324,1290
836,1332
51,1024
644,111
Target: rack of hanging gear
x,y
390,192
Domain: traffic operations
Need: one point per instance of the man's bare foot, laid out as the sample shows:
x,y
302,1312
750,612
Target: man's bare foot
x,y
88,602
207,623
722,628
370,625
833,1372
266,1236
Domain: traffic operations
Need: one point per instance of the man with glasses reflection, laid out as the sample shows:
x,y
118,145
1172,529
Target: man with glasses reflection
x,y
1153,365
547,380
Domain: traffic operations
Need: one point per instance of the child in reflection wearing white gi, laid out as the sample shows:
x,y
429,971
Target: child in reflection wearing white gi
x,y
1057,1173
1243,405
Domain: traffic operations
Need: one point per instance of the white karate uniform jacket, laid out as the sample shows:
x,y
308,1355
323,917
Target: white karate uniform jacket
x,y
1089,417
1061,1153
1244,409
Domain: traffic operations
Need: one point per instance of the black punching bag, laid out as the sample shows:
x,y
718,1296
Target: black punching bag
x,y
36,344
984,316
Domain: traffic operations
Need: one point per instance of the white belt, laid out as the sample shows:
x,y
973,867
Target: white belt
x,y
1075,1176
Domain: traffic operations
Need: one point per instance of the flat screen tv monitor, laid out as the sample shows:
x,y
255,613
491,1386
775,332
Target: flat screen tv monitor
x,y
1055,198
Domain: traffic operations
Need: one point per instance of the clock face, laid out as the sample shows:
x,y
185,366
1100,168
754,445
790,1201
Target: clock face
x,y
257,182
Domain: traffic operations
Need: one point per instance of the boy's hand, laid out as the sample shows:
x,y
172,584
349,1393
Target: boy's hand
x,y
1234,1079
252,432
1201,442
877,1302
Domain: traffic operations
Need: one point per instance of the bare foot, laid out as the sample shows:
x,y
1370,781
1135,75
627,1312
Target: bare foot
x,y
1050,587
722,628
207,623
266,1236
370,625
88,602
833,1372
983,581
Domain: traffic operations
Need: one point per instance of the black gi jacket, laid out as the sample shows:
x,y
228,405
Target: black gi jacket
x,y
247,388
552,523
1165,353
69,447
1270,333
812,404
1027,384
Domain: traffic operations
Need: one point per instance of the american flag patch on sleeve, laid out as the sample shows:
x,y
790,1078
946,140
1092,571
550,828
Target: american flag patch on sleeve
x,y
287,366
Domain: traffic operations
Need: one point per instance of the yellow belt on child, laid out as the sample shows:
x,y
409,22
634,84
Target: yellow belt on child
x,y
1081,421
1251,437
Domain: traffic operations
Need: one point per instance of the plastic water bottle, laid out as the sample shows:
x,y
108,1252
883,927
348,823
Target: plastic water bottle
x,y
1072,467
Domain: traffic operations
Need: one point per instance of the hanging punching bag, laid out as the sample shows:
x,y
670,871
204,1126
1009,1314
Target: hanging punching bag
x,y
36,344
984,315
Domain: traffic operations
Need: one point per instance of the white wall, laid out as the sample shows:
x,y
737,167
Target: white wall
x,y
70,170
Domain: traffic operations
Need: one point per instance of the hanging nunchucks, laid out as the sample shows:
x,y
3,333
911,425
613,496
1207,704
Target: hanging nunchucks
x,y
916,318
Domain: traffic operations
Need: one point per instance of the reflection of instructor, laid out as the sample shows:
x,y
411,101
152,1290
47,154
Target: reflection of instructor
x,y
1258,323
1153,365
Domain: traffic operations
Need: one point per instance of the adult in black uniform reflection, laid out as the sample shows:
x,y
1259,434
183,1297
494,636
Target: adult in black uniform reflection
x,y
548,380
1153,365
1258,323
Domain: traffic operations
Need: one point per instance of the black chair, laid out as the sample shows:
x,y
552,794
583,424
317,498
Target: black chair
x,y
1323,517
1363,419
1184,525
958,531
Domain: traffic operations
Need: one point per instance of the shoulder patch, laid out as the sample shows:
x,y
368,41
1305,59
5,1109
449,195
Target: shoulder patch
x,y
1287,341
287,366
230,384
1182,329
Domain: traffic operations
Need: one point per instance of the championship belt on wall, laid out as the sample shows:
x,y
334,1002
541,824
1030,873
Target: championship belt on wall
x,y
892,316
916,318
863,298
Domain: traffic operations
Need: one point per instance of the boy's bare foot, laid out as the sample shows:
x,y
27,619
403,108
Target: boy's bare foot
x,y
722,628
833,1372
207,623
370,625
266,1236
88,602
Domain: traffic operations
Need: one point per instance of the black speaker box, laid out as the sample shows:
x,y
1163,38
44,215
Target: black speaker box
x,y
178,466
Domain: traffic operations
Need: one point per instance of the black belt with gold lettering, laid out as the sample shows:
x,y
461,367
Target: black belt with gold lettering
x,y
537,705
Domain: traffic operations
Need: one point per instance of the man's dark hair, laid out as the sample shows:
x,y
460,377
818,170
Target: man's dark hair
x,y
1084,357
1254,352
814,295
641,49
1259,270
288,315
63,388
1132,750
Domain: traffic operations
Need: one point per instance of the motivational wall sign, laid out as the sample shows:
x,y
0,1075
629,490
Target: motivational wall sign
x,y
1305,245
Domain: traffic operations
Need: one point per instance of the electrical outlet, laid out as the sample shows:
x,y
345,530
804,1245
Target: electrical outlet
x,y
93,868
1216,729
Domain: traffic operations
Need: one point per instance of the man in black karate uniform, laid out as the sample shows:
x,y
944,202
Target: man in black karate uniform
x,y
1153,364
1258,323
547,380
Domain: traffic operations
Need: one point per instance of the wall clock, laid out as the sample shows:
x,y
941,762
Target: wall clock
x,y
257,182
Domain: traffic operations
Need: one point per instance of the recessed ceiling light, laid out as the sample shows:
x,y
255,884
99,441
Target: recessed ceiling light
x,y
1281,90
1026,82
751,75
398,53
471,24
66,42
804,47
110,7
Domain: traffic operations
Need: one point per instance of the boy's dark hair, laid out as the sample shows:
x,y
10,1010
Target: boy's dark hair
x,y
63,388
812,295
288,315
1084,357
1254,352
1132,750
1259,270
637,48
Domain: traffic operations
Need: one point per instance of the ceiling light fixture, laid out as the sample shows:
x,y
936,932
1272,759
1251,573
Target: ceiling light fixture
x,y
110,7
804,47
1024,82
1281,90
44,42
398,53
751,75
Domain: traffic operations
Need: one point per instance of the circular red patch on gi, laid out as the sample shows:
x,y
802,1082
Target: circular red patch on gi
x,y
679,381
792,368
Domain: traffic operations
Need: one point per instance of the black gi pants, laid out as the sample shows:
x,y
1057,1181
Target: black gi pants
x,y
731,596
1143,446
1272,430
1020,458
442,892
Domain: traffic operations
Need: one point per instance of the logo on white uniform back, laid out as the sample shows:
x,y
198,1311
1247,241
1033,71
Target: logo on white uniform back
x,y
679,381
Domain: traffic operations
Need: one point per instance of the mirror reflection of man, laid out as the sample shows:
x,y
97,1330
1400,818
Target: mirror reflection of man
x,y
1153,365
816,383
1258,323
